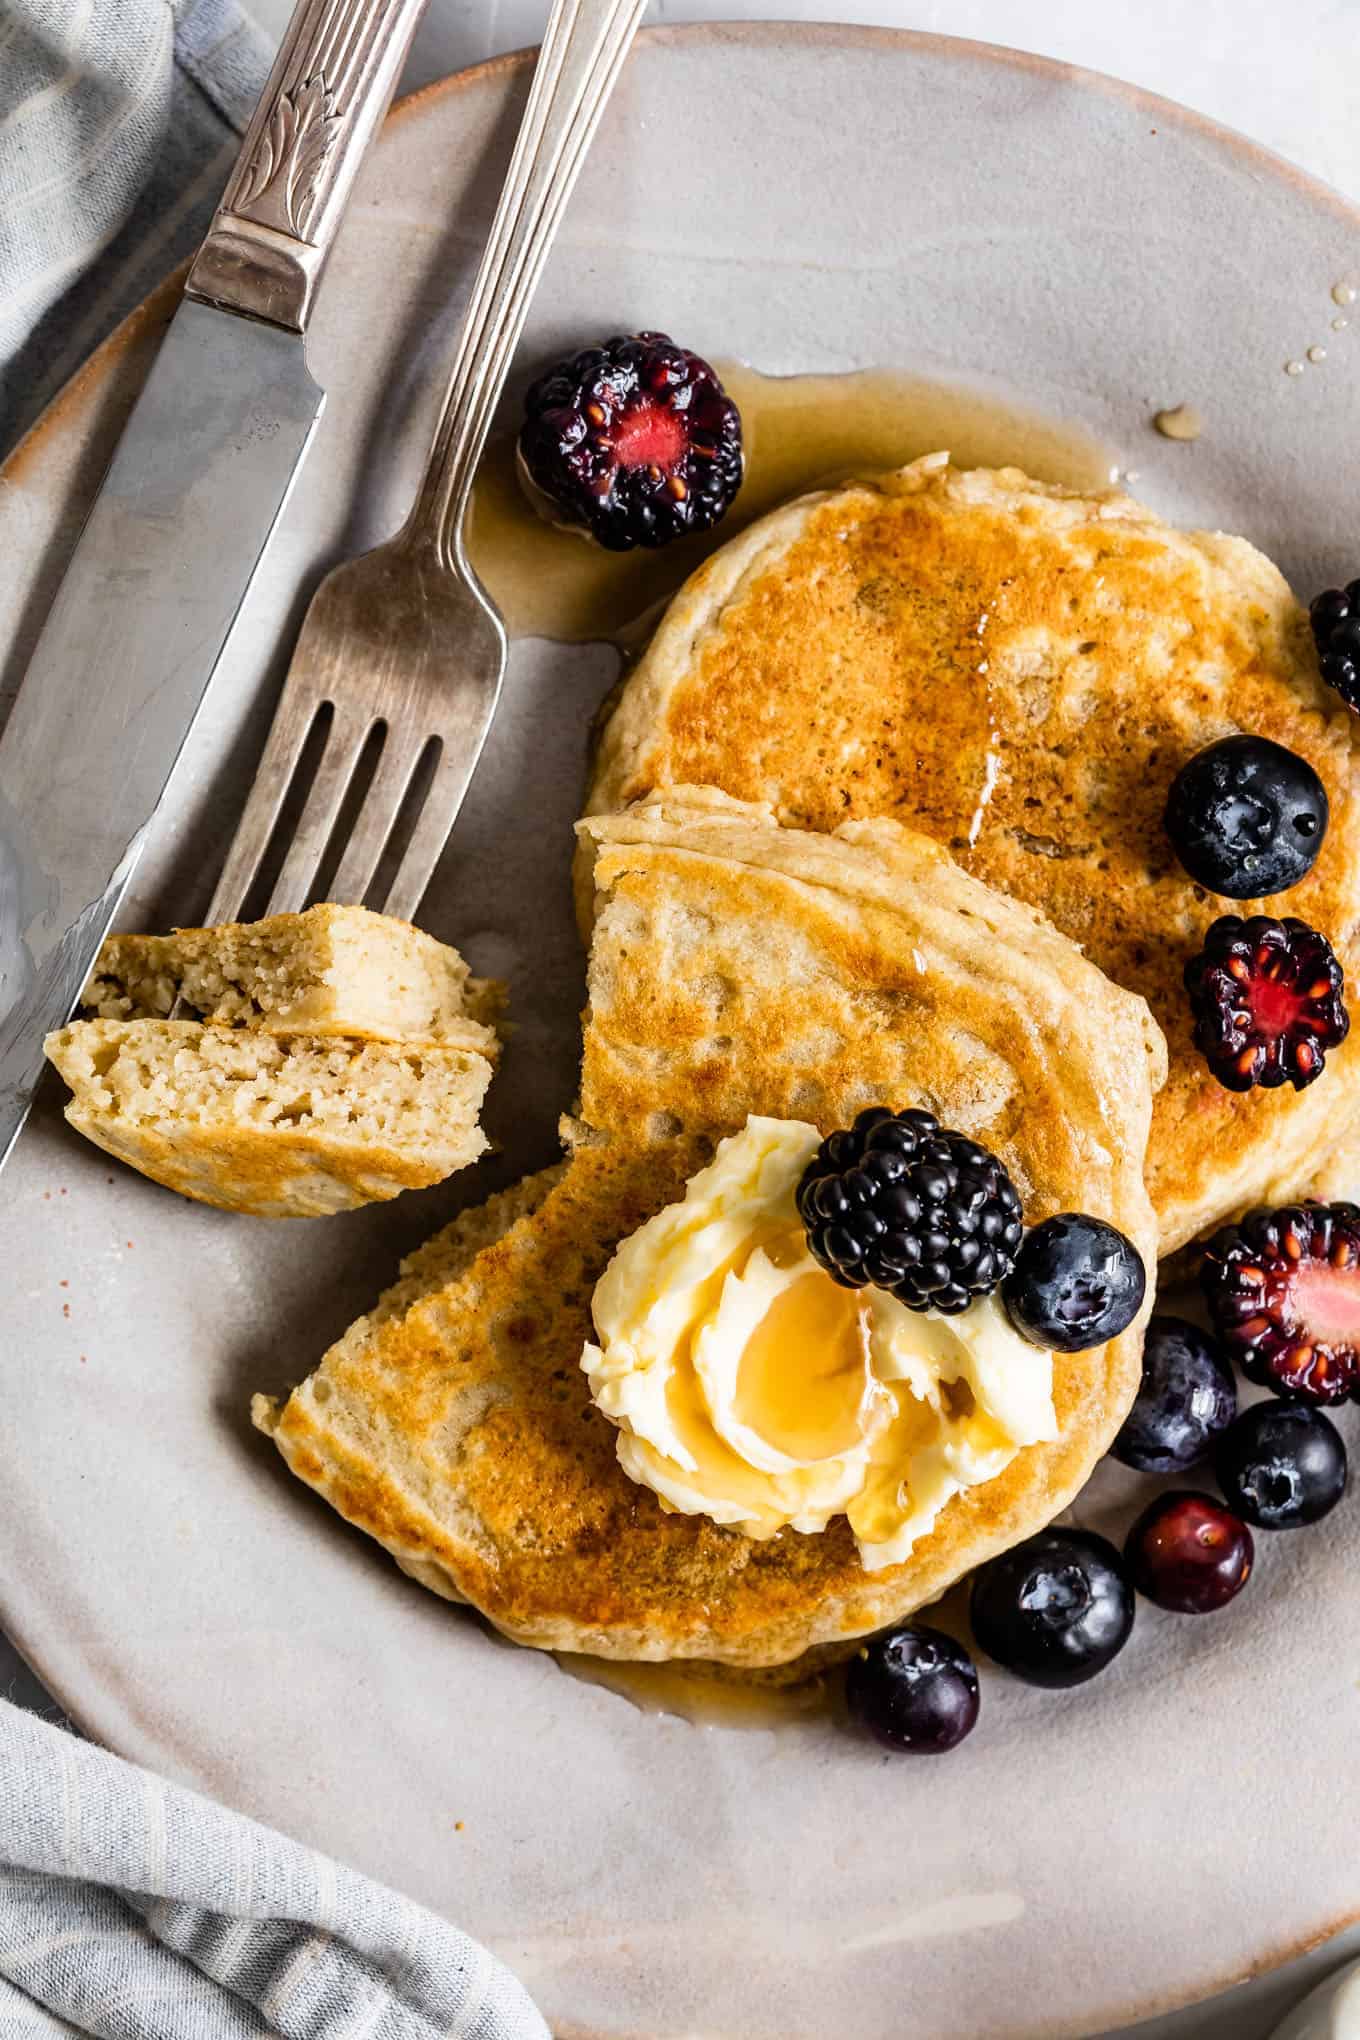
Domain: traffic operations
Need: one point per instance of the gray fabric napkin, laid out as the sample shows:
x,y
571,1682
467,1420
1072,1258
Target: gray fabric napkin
x,y
119,120
129,1908
134,1910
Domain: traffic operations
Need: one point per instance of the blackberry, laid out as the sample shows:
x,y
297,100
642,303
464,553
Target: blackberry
x,y
636,442
1283,1289
1335,617
898,1201
1267,1001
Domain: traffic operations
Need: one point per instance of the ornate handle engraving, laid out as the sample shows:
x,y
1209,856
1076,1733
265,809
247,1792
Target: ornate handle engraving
x,y
328,91
283,180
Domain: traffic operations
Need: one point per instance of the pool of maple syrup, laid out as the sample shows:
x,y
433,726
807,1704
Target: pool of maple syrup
x,y
801,432
710,1695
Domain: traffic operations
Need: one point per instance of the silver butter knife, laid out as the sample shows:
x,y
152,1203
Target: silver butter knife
x,y
181,520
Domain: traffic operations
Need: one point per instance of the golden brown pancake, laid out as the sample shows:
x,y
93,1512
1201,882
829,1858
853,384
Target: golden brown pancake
x,y
277,1125
736,967
1020,672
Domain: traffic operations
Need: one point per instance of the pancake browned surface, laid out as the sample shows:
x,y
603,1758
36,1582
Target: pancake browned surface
x,y
1020,672
736,967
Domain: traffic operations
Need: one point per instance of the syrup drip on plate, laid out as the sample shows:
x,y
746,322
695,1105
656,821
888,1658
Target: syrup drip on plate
x,y
709,1695
801,432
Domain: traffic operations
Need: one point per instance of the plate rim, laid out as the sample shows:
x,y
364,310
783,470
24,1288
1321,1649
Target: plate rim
x,y
159,302
154,311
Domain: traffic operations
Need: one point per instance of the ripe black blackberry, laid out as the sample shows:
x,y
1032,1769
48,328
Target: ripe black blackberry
x,y
1267,1001
1335,617
898,1201
637,442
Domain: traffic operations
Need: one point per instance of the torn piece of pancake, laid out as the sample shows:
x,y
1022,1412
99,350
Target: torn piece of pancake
x,y
315,1061
330,970
1020,672
736,967
281,1126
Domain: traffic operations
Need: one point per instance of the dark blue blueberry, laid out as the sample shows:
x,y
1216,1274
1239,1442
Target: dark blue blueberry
x,y
1281,1465
1076,1283
1247,817
1055,1609
1187,1398
916,1689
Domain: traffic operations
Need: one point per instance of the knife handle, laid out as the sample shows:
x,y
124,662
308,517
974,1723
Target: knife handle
x,y
334,75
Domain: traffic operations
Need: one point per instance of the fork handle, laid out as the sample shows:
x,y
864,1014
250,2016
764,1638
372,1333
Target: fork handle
x,y
330,86
583,50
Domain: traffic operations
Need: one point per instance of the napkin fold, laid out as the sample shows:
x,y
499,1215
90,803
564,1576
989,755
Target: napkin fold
x,y
119,121
132,1909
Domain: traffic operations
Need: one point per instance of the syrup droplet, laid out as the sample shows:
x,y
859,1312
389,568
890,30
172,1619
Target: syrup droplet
x,y
1317,354
1339,324
1293,368
1182,421
1343,293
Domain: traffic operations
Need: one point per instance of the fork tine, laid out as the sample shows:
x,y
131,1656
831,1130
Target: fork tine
x,y
377,817
294,720
345,741
439,810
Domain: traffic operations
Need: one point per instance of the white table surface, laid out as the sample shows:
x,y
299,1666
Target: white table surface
x,y
1284,74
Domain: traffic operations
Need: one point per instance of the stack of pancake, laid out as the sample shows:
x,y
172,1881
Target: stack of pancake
x,y
877,818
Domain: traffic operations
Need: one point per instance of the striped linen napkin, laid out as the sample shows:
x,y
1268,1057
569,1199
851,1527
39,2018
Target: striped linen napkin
x,y
134,1910
128,1907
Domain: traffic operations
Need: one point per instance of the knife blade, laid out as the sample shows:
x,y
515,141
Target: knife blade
x,y
182,518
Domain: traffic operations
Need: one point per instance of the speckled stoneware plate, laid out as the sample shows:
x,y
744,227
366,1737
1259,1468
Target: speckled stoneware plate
x,y
804,198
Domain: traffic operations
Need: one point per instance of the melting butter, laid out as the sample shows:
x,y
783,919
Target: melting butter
x,y
749,1387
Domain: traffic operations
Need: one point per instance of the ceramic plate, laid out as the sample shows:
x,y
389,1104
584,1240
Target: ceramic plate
x,y
806,199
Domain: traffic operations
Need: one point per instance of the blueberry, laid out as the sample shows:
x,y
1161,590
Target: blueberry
x,y
1187,1397
916,1689
1190,1554
1281,1465
1055,1609
1076,1283
1247,817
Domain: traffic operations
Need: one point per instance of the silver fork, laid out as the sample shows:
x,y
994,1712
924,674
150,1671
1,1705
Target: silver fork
x,y
402,647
